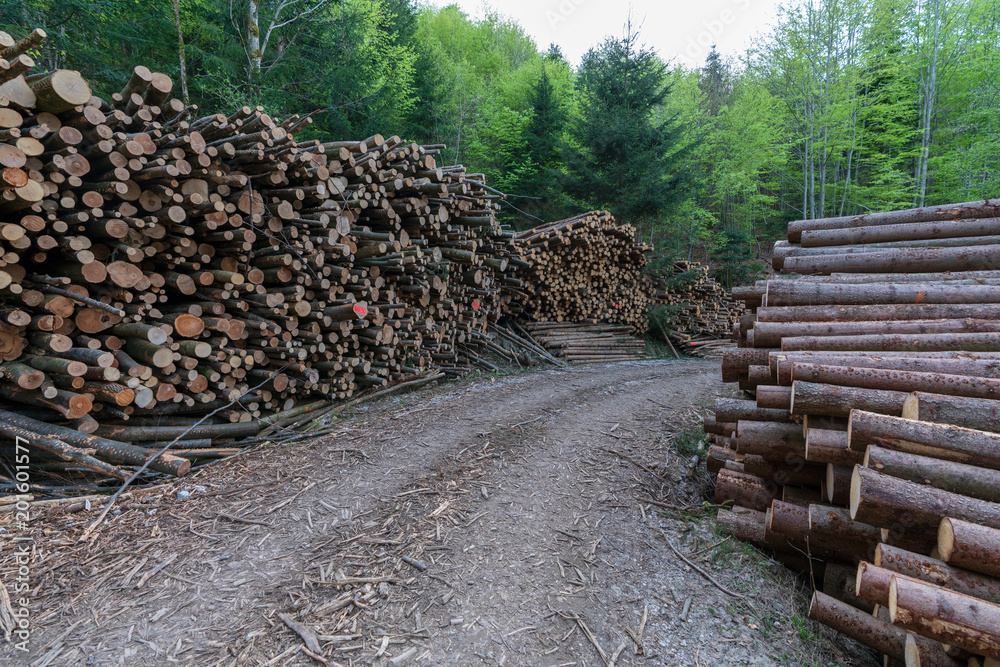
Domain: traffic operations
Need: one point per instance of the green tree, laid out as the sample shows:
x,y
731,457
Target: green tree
x,y
621,156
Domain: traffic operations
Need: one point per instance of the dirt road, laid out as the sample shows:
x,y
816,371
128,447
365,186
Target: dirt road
x,y
502,521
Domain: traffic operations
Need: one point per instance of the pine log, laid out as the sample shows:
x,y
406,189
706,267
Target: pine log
x,y
951,618
901,260
770,334
975,413
941,229
966,480
744,524
745,490
833,401
858,625
970,546
941,441
733,410
109,450
828,446
938,573
805,293
831,529
964,211
882,312
771,440
888,502
919,364
970,342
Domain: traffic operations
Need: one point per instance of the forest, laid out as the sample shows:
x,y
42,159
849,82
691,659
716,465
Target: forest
x,y
839,107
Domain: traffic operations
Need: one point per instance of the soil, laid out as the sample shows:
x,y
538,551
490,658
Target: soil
x,y
521,520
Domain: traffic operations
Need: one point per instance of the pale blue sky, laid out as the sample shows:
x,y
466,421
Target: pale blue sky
x,y
682,31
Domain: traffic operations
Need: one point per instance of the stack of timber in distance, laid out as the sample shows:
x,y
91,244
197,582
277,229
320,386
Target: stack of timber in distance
x,y
872,441
584,268
588,342
702,313
157,261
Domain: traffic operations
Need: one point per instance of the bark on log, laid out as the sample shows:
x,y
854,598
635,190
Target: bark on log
x,y
951,618
941,229
881,312
804,293
897,504
833,401
828,446
743,524
938,573
965,211
771,440
966,480
775,398
975,413
868,378
856,624
941,441
970,546
746,490
917,364
903,260
831,529
109,450
967,342
733,410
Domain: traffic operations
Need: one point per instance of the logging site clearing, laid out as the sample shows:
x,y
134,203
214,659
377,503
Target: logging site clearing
x,y
526,519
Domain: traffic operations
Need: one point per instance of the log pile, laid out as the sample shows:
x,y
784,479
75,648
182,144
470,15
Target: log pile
x,y
157,261
585,268
870,441
588,342
699,313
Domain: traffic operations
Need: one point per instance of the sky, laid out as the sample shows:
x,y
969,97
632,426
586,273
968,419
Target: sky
x,y
682,31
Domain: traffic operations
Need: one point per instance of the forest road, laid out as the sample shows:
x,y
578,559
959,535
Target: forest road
x,y
496,521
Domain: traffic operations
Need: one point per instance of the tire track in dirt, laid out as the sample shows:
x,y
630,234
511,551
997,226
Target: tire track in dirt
x,y
504,489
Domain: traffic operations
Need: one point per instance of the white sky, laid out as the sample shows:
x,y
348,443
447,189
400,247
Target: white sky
x,y
680,31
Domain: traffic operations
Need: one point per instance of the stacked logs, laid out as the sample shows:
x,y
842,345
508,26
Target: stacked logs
x,y
869,451
952,237
588,342
157,262
701,314
583,268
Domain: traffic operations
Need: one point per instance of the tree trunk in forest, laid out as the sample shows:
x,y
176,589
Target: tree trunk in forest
x,y
929,84
254,53
181,55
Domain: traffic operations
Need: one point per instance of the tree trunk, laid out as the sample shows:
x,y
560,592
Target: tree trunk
x,y
938,573
976,209
950,618
746,490
970,546
826,446
884,501
856,624
181,55
877,378
893,233
972,342
734,410
772,440
905,260
939,441
975,413
805,293
966,480
833,401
